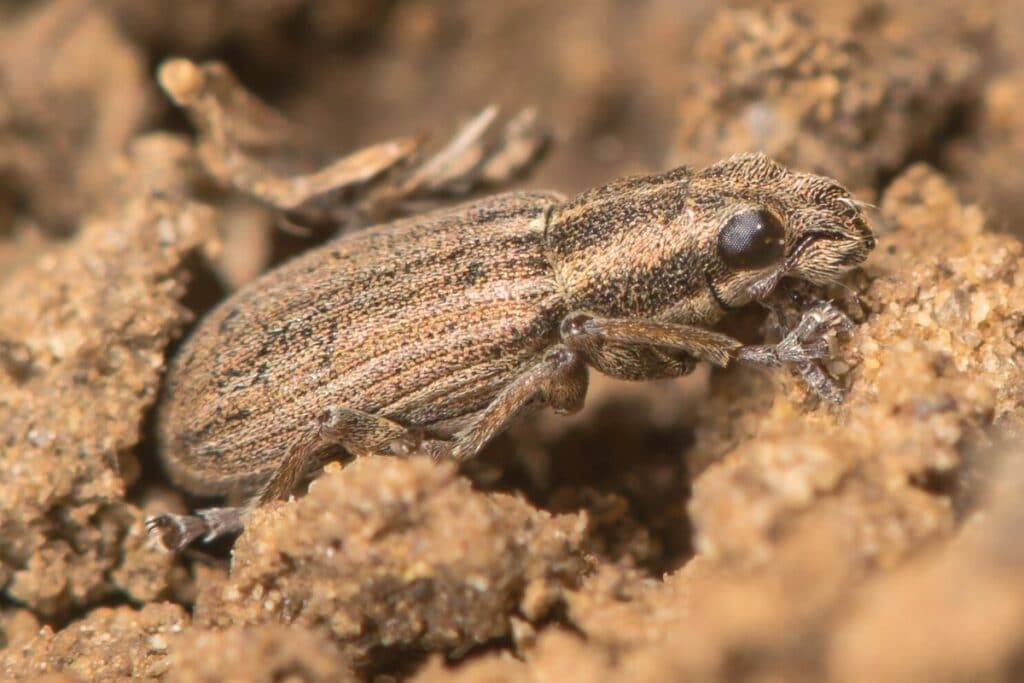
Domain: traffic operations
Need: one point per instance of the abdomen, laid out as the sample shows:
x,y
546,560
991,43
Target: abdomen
x,y
422,321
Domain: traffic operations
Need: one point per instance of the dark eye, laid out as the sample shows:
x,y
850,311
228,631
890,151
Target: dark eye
x,y
751,239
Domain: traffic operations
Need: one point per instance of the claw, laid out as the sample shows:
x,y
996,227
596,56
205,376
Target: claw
x,y
820,319
175,532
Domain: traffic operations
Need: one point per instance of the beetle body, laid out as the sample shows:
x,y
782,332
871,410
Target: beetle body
x,y
423,321
452,322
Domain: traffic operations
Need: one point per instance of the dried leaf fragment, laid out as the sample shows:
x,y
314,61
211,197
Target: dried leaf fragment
x,y
247,145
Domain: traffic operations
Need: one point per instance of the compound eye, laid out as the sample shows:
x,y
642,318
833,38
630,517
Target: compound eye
x,y
751,239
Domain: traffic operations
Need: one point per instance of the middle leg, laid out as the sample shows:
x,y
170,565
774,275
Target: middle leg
x,y
558,380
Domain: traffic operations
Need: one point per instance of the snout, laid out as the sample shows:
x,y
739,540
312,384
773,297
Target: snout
x,y
820,256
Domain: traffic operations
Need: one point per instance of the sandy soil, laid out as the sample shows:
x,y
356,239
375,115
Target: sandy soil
x,y
154,156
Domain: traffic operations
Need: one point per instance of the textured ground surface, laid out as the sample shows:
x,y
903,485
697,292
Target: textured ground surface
x,y
722,527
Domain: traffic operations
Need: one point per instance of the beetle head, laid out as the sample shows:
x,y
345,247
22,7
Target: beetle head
x,y
761,222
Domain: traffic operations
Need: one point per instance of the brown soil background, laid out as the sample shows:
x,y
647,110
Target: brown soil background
x,y
722,527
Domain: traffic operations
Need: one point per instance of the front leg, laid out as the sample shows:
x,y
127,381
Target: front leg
x,y
817,318
623,347
636,349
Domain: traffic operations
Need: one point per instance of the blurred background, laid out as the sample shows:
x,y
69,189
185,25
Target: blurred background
x,y
798,557
853,89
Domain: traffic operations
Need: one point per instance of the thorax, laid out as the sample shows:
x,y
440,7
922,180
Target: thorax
x,y
628,250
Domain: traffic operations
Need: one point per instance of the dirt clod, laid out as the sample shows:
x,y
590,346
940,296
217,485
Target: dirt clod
x,y
844,96
105,645
400,555
92,319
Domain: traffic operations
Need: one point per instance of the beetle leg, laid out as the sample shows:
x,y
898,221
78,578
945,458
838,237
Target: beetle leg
x,y
558,380
629,348
616,346
358,432
818,317
804,343
177,531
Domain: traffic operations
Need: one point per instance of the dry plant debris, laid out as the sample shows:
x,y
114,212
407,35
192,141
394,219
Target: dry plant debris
x,y
246,145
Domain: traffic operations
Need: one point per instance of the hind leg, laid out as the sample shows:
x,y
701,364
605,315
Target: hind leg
x,y
358,432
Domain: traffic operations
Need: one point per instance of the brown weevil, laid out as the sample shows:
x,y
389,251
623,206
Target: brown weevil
x,y
430,334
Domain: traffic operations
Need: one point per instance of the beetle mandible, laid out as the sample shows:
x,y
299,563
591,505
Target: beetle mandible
x,y
432,333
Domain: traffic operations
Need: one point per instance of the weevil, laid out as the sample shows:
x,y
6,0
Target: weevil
x,y
430,334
